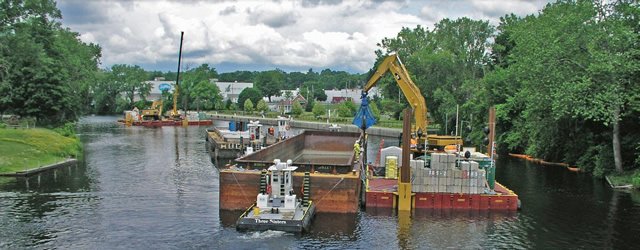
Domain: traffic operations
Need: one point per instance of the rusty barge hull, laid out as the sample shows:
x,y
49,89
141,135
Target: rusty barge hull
x,y
161,123
328,156
172,123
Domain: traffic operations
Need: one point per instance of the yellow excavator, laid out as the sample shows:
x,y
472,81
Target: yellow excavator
x,y
154,112
393,64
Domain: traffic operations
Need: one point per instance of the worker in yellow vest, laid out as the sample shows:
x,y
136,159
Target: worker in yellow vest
x,y
356,150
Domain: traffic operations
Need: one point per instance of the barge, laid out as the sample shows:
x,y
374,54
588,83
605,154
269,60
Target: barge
x,y
328,157
277,207
438,179
135,118
442,181
241,138
161,123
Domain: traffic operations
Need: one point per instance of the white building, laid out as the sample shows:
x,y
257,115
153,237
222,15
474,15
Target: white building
x,y
157,86
231,90
353,94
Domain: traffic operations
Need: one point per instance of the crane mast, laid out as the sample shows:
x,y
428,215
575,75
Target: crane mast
x,y
176,90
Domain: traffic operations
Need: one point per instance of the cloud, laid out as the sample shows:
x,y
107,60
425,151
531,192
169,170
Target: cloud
x,y
490,10
271,15
314,3
284,34
501,8
228,10
75,12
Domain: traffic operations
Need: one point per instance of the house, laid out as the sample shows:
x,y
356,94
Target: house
x,y
338,96
286,105
283,95
340,99
274,104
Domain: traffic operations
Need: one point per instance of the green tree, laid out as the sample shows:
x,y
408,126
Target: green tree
x,y
568,84
319,110
262,106
44,69
239,76
320,95
227,104
598,86
296,109
309,106
374,110
446,63
347,109
352,106
270,83
233,106
105,94
248,105
288,95
191,78
206,93
391,107
79,67
249,93
344,111
131,80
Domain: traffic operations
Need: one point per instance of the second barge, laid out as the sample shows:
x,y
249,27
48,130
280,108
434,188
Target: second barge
x,y
327,156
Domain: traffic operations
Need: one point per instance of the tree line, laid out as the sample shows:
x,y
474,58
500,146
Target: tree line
x,y
48,73
565,82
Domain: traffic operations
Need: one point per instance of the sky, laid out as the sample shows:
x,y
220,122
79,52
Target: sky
x,y
262,35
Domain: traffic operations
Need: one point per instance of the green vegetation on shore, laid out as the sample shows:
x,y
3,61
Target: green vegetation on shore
x,y
626,178
24,149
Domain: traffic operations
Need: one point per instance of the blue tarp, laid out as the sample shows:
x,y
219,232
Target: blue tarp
x,y
364,114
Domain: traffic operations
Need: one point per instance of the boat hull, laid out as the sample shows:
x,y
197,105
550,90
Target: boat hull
x,y
246,223
503,199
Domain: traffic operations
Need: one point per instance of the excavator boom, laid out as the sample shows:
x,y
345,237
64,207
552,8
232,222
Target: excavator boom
x,y
393,64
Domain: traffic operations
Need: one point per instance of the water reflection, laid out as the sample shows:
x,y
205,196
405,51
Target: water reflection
x,y
334,224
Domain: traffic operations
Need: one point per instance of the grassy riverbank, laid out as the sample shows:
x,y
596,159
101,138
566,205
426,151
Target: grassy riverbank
x,y
626,178
24,149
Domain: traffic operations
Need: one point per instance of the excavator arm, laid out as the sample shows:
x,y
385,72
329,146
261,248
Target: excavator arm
x,y
393,64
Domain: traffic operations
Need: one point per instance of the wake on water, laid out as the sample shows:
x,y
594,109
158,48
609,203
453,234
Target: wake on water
x,y
262,235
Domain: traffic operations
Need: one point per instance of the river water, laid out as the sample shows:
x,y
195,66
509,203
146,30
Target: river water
x,y
146,188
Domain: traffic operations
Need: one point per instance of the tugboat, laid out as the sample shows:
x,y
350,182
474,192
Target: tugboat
x,y
277,206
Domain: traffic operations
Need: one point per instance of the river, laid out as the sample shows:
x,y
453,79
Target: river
x,y
155,188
